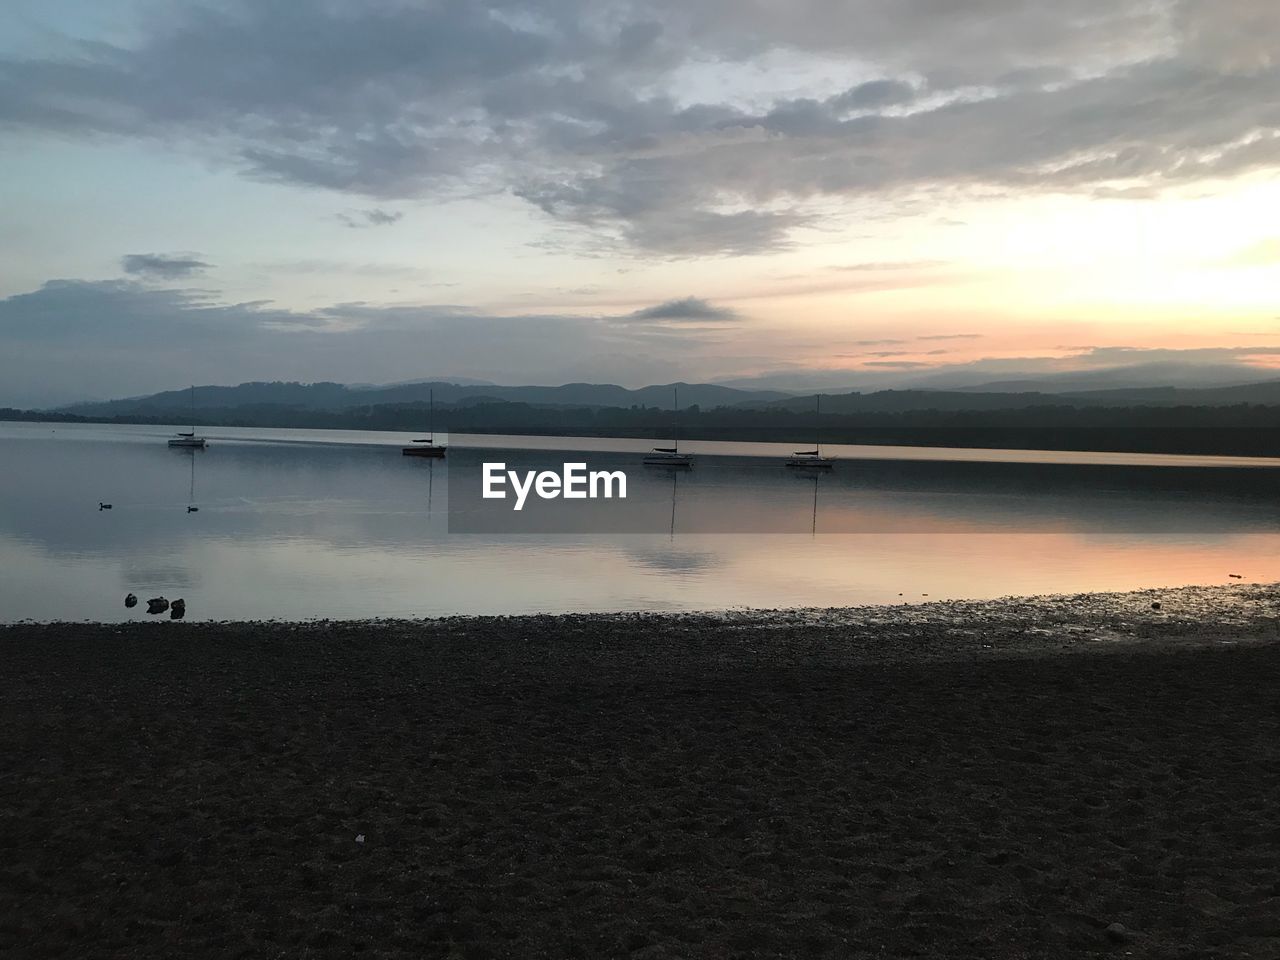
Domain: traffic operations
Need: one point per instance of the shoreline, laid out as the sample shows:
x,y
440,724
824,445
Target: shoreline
x,y
1001,446
1070,777
1244,611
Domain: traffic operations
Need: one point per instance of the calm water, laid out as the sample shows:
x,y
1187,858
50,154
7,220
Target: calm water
x,y
298,524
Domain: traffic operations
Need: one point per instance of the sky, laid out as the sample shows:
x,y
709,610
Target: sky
x,y
797,193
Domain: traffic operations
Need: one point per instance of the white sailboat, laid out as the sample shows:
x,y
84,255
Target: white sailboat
x,y
426,447
812,459
671,456
189,439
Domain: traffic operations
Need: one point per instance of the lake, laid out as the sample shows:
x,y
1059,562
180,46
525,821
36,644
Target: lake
x,y
300,524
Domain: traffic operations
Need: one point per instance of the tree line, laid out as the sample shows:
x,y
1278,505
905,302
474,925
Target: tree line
x,y
1242,429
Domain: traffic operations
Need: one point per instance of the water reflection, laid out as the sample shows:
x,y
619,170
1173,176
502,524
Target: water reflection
x,y
191,494
675,489
761,496
298,530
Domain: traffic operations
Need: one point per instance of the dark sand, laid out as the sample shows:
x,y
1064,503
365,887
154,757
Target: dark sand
x,y
951,780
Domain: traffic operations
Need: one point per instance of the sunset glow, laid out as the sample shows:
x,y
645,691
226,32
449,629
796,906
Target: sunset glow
x,y
871,193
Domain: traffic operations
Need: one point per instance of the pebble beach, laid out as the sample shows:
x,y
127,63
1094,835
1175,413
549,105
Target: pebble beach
x,y
1037,777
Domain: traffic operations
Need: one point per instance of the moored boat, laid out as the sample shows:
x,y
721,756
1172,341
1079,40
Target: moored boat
x,y
671,456
189,438
423,448
812,459
427,447
668,457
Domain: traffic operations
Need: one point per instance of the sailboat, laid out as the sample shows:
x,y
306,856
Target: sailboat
x,y
671,456
812,459
427,447
189,439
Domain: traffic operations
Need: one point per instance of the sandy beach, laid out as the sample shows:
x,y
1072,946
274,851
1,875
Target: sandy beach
x,y
1048,777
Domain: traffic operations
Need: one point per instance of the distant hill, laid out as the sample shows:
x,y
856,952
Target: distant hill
x,y
978,377
175,405
1159,375
311,396
1266,392
892,401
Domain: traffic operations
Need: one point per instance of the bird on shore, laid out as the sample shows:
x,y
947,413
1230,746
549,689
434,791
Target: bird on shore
x,y
178,609
130,600
103,506
157,605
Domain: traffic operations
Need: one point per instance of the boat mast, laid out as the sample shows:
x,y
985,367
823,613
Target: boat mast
x,y
193,410
431,417
817,427
675,417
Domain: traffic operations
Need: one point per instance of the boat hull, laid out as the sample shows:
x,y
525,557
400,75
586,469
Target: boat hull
x,y
811,463
193,443
677,460
434,452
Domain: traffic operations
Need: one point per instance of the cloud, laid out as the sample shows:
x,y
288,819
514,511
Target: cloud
x,y
109,312
685,310
161,266
1231,35
321,265
374,217
952,336
641,205
1087,367
1126,356
874,94
74,339
877,267
669,128
1150,366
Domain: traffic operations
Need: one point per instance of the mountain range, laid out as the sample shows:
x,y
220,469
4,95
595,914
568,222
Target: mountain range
x,y
172,405
987,376
338,397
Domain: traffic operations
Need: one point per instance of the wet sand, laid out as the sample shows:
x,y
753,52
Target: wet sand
x,y
997,780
